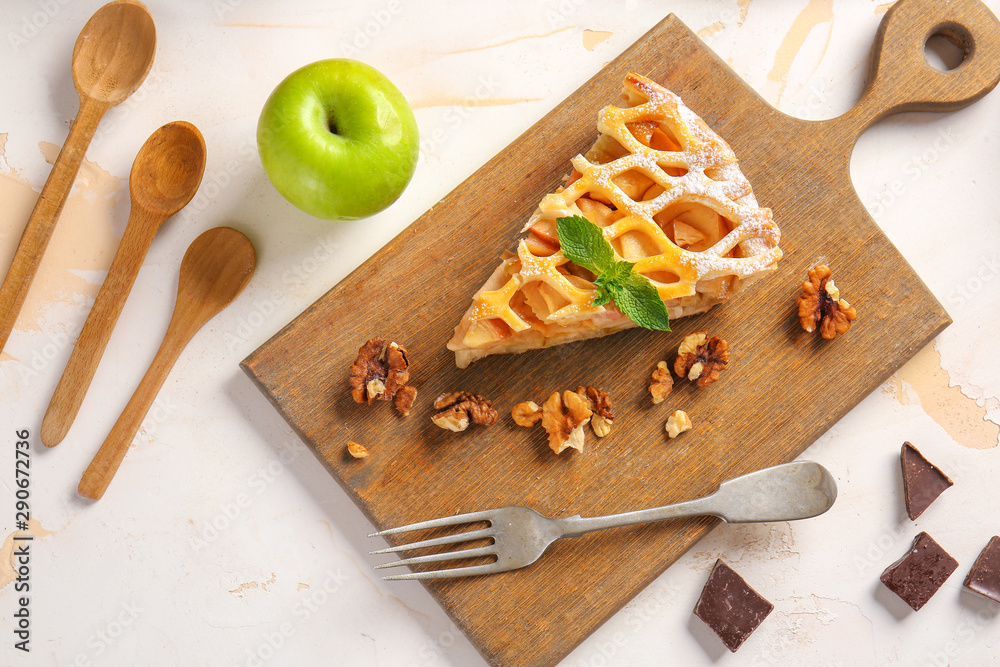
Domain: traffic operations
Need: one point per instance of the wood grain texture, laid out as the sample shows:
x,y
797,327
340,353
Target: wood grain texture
x,y
165,176
42,222
111,58
783,389
215,269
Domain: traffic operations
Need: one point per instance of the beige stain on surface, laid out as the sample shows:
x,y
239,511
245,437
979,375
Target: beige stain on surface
x,y
273,25
772,541
449,101
301,587
505,43
8,565
36,529
817,12
932,389
91,180
591,38
251,585
84,239
711,29
8,560
238,591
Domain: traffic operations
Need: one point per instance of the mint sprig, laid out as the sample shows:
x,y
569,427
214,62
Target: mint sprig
x,y
584,244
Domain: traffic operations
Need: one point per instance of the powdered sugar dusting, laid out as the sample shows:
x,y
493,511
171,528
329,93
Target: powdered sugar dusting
x,y
705,174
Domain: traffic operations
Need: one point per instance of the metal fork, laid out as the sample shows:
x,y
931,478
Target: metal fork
x,y
520,535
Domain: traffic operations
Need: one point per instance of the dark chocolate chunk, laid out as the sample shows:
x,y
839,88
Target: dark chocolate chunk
x,y
730,607
923,481
920,573
984,577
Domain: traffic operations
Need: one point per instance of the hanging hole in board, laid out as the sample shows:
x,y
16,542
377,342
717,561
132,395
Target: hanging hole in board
x,y
948,47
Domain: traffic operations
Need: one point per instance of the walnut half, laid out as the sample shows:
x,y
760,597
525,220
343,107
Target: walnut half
x,y
661,383
677,423
460,408
600,404
563,418
564,415
701,359
356,450
369,371
526,414
381,373
820,305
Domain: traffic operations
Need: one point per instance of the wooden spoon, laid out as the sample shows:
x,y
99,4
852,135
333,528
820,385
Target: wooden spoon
x,y
214,271
111,58
165,176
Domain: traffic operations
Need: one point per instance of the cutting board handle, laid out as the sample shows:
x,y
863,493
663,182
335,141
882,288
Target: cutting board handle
x,y
900,77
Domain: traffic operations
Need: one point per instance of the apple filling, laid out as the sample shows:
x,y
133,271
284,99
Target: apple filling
x,y
670,199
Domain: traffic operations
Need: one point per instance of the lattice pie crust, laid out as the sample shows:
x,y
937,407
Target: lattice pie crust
x,y
669,196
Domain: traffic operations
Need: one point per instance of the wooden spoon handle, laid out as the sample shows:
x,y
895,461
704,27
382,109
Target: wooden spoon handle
x,y
901,79
46,213
93,339
103,467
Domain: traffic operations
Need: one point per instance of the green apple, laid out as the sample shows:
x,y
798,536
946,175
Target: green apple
x,y
338,140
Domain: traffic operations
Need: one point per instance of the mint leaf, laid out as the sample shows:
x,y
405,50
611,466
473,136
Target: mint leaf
x,y
618,272
583,243
604,293
637,297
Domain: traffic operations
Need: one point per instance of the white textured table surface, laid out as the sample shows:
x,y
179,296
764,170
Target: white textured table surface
x,y
222,541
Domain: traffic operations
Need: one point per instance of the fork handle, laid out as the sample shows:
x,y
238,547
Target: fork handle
x,y
576,526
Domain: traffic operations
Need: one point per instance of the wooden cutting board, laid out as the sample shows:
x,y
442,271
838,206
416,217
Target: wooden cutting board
x,y
783,388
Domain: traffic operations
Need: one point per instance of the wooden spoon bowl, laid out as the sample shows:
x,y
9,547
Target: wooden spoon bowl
x,y
215,269
112,57
168,169
114,51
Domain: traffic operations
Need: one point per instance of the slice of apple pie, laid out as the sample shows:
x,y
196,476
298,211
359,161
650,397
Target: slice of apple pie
x,y
667,193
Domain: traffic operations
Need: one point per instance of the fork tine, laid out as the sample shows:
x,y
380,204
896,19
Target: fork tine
x,y
468,571
469,517
454,538
437,558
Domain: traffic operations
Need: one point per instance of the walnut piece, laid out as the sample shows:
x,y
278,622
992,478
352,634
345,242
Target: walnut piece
x,y
677,423
452,419
382,372
526,414
600,404
460,408
701,359
601,426
368,372
820,304
356,450
399,368
563,418
404,400
661,384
